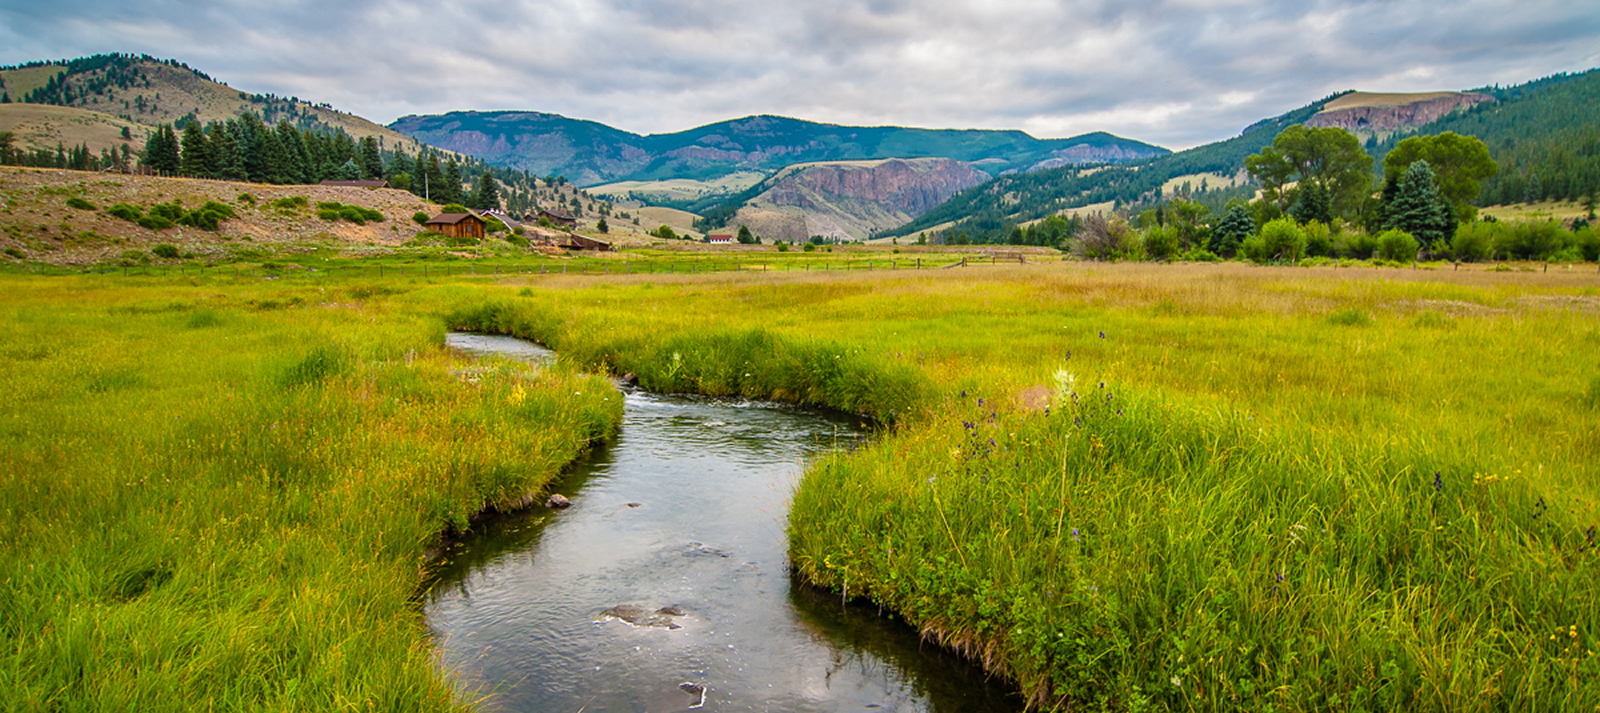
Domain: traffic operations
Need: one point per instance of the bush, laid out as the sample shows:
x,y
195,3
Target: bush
x,y
517,240
154,222
495,226
209,216
809,247
1588,243
132,214
79,203
454,208
291,203
420,218
1199,255
13,252
1473,241
1280,239
165,250
1160,243
1397,245
1319,239
246,199
784,247
331,211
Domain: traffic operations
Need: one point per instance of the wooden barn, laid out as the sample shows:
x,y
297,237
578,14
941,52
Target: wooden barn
x,y
558,219
457,225
720,238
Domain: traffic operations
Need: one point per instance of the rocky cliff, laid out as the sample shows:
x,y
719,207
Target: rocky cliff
x,y
852,199
1366,114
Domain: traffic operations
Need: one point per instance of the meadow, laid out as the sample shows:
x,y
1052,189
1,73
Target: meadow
x,y
1125,487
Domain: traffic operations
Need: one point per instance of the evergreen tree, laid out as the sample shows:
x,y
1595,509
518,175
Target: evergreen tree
x,y
1312,204
196,160
1232,231
745,237
227,158
1418,208
161,152
349,171
371,159
486,194
449,190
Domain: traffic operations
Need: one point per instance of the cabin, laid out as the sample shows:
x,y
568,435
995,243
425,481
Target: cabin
x,y
719,238
558,218
457,225
357,184
584,242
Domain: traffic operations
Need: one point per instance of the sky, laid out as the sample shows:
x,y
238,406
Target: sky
x,y
1177,73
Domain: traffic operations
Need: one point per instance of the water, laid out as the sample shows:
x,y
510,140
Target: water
x,y
679,525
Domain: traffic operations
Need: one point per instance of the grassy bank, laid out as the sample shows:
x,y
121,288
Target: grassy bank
x,y
1297,489
217,496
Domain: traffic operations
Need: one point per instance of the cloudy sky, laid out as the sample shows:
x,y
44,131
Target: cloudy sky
x,y
1173,72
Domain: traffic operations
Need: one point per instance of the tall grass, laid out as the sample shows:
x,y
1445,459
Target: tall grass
x,y
219,498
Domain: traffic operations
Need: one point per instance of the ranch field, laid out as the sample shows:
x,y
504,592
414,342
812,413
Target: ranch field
x,y
1123,487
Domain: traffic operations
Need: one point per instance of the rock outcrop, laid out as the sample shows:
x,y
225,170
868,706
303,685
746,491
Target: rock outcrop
x,y
850,200
1368,114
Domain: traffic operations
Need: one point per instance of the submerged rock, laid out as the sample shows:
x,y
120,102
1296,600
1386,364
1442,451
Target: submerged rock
x,y
695,690
557,500
636,615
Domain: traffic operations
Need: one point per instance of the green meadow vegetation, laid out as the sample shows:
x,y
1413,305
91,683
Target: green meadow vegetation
x,y
219,496
1123,486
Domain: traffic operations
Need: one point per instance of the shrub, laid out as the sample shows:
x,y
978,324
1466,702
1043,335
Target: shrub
x,y
1588,243
517,240
13,252
1473,241
454,208
1199,255
291,203
208,216
132,214
809,247
154,222
246,199
1280,239
332,211
495,226
79,203
1397,245
1319,239
165,250
784,247
1160,243
420,218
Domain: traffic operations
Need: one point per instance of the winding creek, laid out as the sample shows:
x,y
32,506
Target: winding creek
x,y
665,586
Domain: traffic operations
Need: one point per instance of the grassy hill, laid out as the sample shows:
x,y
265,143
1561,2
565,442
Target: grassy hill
x,y
591,153
40,126
147,91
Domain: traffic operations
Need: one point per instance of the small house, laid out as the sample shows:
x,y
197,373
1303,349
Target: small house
x,y
357,184
558,218
457,225
509,221
720,238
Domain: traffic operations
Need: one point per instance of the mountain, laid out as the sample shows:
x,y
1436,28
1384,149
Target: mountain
x,y
590,153
1545,134
851,200
148,91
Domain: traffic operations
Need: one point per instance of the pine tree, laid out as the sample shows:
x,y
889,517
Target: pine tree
x,y
449,190
745,237
196,160
1418,208
161,152
1312,204
486,195
371,159
1231,231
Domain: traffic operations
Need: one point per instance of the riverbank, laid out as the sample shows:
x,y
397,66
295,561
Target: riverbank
x,y
1136,487
315,437
219,495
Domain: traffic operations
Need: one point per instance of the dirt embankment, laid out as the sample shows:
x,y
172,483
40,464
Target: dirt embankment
x,y
39,224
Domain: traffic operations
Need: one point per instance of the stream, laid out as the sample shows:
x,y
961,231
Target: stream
x,y
665,587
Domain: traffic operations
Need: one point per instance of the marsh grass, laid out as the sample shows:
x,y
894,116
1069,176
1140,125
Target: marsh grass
x,y
211,506
1263,508
1201,487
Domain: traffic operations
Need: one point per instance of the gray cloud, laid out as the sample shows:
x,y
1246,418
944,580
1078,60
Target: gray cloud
x,y
1174,72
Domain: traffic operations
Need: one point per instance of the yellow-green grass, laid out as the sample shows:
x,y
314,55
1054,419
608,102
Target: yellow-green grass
x,y
1259,407
1543,210
42,126
1411,451
218,496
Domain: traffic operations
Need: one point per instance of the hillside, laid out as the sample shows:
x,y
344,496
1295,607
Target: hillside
x,y
590,153
42,225
986,213
40,126
150,92
1545,134
851,200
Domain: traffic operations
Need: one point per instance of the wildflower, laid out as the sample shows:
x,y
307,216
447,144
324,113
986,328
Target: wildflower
x,y
1074,534
1177,682
1438,484
1102,334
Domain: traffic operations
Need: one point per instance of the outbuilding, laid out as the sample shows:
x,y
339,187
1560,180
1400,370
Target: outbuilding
x,y
457,225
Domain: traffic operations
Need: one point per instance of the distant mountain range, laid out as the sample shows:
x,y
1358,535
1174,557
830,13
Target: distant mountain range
x,y
590,153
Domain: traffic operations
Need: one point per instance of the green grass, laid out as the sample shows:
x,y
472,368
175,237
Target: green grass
x,y
1410,451
213,506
